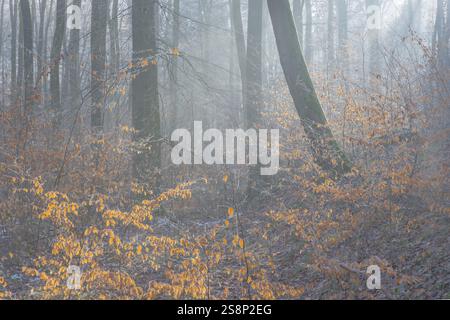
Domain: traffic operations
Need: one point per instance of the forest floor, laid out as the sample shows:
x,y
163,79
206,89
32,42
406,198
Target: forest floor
x,y
415,257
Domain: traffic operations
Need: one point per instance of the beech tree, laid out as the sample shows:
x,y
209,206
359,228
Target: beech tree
x,y
145,98
55,57
324,147
99,23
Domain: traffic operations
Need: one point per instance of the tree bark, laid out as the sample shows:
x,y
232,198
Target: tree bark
x,y
240,41
55,58
40,48
297,8
374,48
254,63
145,99
341,6
13,18
308,32
74,66
27,52
174,72
325,150
99,24
330,37
114,37
2,10
254,101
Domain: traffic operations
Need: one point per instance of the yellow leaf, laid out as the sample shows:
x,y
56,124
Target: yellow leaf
x,y
241,243
139,249
225,178
175,51
230,212
227,223
235,240
144,62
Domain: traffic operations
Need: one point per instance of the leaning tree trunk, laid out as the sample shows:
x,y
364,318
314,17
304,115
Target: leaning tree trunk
x,y
324,147
145,99
55,58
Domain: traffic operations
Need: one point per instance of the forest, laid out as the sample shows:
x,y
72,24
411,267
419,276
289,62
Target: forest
x,y
224,149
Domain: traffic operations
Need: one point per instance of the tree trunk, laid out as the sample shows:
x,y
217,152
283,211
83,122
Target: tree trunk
x,y
240,41
74,66
55,58
114,37
45,53
13,18
330,37
254,63
27,52
297,9
99,24
325,149
178,116
341,6
40,48
374,48
2,10
145,99
308,33
20,74
254,101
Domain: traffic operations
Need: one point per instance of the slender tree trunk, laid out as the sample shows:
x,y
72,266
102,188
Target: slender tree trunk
x,y
341,6
297,9
254,101
20,57
2,66
114,37
308,33
55,58
178,117
330,37
65,72
99,24
374,48
325,149
13,18
27,52
40,48
240,41
74,66
145,99
254,63
45,58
